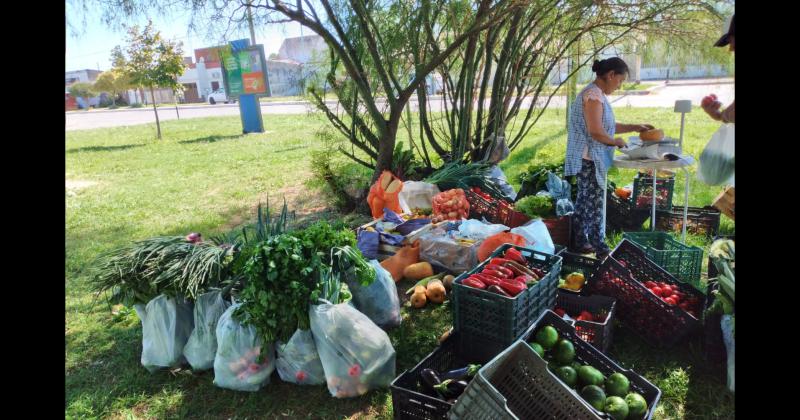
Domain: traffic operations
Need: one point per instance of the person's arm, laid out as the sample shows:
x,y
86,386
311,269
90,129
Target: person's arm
x,y
726,116
629,128
593,115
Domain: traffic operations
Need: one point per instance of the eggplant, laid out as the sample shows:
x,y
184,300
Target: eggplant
x,y
498,290
451,389
429,380
463,373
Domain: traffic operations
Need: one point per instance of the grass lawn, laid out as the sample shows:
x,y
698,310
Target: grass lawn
x,y
123,185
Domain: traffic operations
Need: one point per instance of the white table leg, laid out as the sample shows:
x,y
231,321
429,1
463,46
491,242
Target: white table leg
x,y
653,214
605,192
685,204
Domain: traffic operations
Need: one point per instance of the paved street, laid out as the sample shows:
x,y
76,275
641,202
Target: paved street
x,y
663,96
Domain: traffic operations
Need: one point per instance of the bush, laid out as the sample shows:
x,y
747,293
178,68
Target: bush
x,y
137,105
344,184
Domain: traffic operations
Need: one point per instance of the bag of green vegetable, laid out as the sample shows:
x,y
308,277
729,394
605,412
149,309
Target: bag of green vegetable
x,y
377,300
536,206
298,361
166,328
202,345
239,364
357,355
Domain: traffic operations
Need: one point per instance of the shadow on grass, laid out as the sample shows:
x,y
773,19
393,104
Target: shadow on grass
x,y
519,159
104,148
210,139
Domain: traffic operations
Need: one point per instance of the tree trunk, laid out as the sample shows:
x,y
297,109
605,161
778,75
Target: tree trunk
x,y
158,124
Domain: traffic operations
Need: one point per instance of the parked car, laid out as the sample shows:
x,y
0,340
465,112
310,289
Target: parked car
x,y
219,96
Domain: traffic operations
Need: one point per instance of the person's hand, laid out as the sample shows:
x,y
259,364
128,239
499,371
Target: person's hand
x,y
643,127
620,143
711,106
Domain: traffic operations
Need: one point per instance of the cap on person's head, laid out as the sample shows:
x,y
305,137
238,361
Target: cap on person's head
x,y
726,39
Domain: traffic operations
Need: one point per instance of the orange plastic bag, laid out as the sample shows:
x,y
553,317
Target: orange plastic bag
x,y
379,196
491,243
404,257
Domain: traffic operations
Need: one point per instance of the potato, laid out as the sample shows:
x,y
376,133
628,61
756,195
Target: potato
x,y
418,300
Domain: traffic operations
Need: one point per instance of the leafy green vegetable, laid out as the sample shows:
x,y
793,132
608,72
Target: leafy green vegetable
x,y
536,206
464,176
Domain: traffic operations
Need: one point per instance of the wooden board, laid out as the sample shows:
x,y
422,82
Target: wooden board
x,y
725,202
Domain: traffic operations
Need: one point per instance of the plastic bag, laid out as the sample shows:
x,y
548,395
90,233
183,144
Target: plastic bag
x,y
238,347
390,238
392,217
493,242
726,323
557,187
475,229
717,162
202,345
450,205
404,257
298,361
438,248
564,207
357,355
379,198
500,179
379,300
167,325
416,194
368,242
411,225
536,235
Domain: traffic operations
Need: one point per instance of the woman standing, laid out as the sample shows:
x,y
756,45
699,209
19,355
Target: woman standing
x,y
590,150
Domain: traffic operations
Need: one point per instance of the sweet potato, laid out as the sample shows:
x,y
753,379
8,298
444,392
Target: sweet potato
x,y
418,300
436,291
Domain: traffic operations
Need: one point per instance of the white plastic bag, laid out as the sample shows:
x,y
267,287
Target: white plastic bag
x,y
236,363
475,229
726,323
356,354
717,163
166,328
298,361
379,300
417,194
537,236
202,345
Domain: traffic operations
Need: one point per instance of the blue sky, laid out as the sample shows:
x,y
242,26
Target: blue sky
x,y
92,48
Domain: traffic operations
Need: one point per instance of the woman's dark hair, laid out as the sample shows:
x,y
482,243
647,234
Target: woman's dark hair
x,y
614,64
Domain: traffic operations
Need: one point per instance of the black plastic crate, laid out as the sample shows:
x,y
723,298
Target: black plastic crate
x,y
621,214
598,334
409,402
644,313
487,322
574,262
699,220
642,196
586,354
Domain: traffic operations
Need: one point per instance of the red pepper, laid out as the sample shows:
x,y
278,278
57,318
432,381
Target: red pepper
x,y
511,286
539,272
487,279
472,281
514,255
526,280
498,261
508,273
495,273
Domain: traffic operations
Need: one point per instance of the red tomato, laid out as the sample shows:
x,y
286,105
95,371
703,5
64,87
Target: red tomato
x,y
587,315
649,284
675,297
684,306
559,311
656,290
666,292
669,301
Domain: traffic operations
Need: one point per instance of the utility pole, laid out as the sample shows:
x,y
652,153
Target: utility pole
x,y
250,22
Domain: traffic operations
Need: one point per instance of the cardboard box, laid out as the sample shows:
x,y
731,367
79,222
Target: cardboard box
x,y
725,202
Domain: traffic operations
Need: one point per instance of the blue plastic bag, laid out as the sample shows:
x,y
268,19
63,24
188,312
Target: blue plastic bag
x,y
392,217
564,207
536,235
726,323
558,188
411,225
378,301
390,238
368,243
